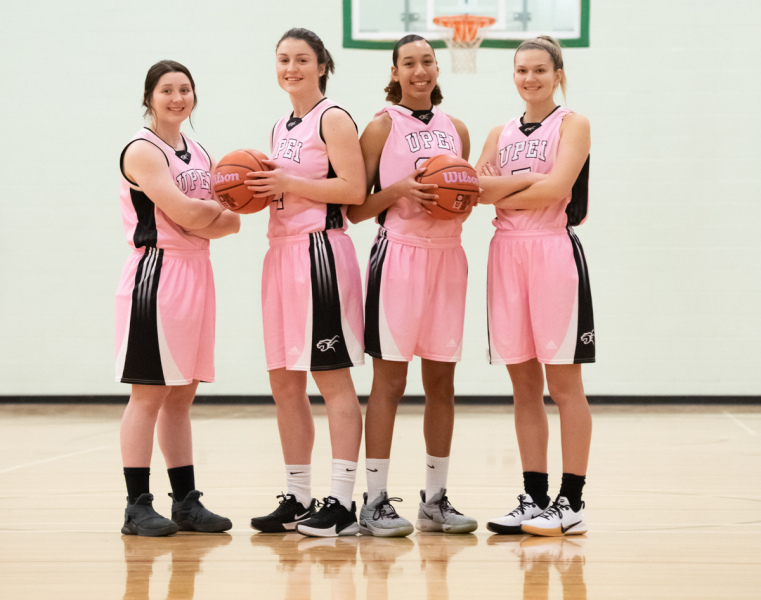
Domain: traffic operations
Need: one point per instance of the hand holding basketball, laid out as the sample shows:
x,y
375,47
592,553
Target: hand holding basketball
x,y
229,181
423,194
271,183
457,182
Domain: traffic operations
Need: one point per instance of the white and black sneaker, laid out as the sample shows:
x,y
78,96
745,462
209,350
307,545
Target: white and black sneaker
x,y
558,520
286,516
332,520
510,524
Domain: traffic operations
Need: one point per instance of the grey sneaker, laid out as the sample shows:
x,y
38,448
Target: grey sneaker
x,y
437,514
141,519
191,515
379,518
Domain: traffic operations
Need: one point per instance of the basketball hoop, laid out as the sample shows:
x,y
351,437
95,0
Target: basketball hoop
x,y
465,40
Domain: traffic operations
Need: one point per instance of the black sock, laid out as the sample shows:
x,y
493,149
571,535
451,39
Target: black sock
x,y
138,482
182,480
536,486
571,488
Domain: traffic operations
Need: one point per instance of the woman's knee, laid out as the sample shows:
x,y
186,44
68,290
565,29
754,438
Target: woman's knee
x,y
389,380
149,398
565,385
287,385
438,380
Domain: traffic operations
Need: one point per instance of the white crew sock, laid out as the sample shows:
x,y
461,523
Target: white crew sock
x,y
436,471
376,470
342,481
298,480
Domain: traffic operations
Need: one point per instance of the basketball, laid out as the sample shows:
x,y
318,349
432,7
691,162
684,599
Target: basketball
x,y
458,185
229,175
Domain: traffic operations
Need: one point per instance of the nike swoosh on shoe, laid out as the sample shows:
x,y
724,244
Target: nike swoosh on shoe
x,y
572,525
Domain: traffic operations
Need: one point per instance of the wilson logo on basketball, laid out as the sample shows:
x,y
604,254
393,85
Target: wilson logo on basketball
x,y
225,178
459,177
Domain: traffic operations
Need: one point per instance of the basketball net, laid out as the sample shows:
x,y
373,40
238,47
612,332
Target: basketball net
x,y
465,41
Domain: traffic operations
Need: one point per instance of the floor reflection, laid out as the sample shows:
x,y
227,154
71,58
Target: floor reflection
x,y
436,550
379,556
347,568
345,561
539,555
187,553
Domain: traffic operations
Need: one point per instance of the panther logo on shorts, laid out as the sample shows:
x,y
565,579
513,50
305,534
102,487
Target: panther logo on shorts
x,y
588,337
325,345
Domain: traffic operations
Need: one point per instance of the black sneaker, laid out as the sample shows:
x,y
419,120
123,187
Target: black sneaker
x,y
286,516
332,520
141,519
191,515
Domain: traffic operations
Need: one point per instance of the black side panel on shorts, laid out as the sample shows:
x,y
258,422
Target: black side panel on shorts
x,y
146,234
372,301
328,342
142,363
333,217
576,211
585,331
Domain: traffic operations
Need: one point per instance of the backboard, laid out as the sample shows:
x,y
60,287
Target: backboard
x,y
378,24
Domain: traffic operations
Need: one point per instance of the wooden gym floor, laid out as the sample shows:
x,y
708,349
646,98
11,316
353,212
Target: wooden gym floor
x,y
673,505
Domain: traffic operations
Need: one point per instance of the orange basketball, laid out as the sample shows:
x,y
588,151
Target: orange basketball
x,y
229,175
458,185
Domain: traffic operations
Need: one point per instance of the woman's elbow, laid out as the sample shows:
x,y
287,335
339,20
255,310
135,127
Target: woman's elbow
x,y
355,197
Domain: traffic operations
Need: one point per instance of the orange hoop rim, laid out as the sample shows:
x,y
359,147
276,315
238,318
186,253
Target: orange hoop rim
x,y
465,26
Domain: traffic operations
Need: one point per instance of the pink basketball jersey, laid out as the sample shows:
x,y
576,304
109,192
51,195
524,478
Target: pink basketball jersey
x,y
410,142
299,148
533,147
145,224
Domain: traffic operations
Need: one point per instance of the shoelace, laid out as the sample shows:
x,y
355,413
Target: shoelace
x,y
385,509
555,509
285,506
445,506
522,507
328,503
286,498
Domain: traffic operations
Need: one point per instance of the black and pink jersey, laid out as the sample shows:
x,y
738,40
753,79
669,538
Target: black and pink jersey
x,y
533,147
145,224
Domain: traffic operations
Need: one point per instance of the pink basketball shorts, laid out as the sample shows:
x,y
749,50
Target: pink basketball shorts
x,y
539,304
312,303
165,310
415,299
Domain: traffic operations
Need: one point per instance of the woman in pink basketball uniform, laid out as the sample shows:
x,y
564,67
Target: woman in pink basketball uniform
x,y
535,170
311,287
416,284
165,302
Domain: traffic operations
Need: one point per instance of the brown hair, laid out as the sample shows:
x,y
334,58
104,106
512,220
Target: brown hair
x,y
315,43
394,89
155,73
552,47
